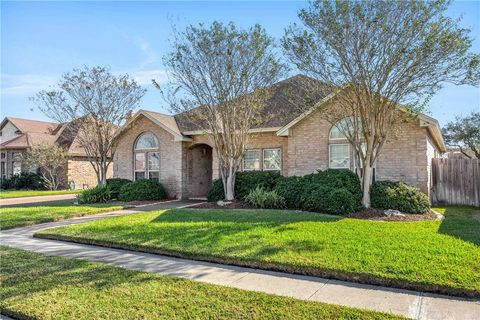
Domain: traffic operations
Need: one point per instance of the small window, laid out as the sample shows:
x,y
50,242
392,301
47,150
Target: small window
x,y
272,159
140,162
251,160
339,156
16,167
146,141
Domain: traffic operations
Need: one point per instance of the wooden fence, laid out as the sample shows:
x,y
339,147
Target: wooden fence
x,y
456,181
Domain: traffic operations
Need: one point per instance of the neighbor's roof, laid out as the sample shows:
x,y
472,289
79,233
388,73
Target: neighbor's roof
x,y
26,125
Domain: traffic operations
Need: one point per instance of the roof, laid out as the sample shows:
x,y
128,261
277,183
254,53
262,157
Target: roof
x,y
287,100
26,125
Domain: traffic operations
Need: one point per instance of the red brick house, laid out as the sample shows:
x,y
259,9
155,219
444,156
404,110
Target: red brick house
x,y
18,135
293,140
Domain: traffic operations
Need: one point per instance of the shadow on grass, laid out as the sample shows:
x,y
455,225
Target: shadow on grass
x,y
462,223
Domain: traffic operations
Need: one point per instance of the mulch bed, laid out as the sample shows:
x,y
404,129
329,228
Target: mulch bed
x,y
367,214
377,214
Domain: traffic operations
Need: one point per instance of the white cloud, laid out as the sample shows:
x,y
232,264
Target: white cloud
x,y
144,46
22,84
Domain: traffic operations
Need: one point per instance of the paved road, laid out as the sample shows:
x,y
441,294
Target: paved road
x,y
38,200
411,304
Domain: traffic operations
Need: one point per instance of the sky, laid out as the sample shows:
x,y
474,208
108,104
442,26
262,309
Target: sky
x,y
42,40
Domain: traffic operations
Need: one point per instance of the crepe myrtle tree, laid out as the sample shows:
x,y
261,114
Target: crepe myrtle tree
x,y
464,133
94,103
387,58
50,160
218,74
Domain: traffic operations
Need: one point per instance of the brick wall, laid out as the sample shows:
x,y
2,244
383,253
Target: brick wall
x,y
81,172
172,155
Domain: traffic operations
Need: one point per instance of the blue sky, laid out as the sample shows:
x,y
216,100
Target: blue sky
x,y
42,40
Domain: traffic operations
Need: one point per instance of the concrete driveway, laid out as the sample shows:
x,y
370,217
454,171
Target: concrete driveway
x,y
38,200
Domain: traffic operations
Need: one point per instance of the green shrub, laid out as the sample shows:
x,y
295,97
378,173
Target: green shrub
x,y
115,185
291,189
25,180
99,194
398,196
337,178
142,190
260,198
244,183
326,199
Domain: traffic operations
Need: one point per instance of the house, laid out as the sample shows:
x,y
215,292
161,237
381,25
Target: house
x,y
18,135
294,139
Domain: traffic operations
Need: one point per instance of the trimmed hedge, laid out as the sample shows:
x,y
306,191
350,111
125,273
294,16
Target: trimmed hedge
x,y
115,184
260,198
326,199
244,183
291,189
99,194
398,196
142,190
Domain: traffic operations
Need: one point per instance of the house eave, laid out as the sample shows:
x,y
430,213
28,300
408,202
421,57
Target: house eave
x,y
255,130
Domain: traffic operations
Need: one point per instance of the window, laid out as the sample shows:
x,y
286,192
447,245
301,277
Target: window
x,y
346,125
271,159
251,160
339,156
16,163
147,157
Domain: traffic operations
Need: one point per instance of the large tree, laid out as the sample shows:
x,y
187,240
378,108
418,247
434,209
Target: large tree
x,y
388,57
95,103
50,160
464,133
218,73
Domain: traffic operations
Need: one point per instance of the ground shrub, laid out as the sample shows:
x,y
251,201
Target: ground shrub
x,y
115,185
142,190
291,189
337,178
398,196
260,198
99,194
244,183
25,180
326,199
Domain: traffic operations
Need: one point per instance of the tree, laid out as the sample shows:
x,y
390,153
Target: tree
x,y
218,74
51,160
94,103
388,57
464,133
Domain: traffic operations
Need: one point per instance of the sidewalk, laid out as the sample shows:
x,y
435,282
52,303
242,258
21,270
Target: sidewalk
x,y
411,304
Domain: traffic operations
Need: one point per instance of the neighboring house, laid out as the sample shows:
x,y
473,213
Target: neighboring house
x,y
293,139
18,135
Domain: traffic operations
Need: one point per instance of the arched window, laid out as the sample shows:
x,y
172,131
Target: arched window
x,y
147,157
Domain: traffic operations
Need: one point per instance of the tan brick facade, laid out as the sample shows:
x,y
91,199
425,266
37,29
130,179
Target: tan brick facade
x,y
405,157
81,173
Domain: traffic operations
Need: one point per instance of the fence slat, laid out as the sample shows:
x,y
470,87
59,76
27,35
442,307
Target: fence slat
x,y
456,181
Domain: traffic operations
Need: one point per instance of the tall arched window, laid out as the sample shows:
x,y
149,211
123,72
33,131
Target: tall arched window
x,y
147,157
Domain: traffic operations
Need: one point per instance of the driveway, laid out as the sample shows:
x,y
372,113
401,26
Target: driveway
x,y
412,304
37,200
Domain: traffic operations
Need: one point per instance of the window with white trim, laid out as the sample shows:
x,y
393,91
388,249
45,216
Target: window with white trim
x,y
147,157
251,160
272,160
339,156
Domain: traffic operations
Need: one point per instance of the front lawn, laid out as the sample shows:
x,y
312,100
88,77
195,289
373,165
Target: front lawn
x,y
7,194
24,216
35,286
439,256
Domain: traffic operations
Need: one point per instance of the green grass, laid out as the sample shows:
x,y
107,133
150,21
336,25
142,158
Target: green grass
x,y
437,256
23,216
42,287
7,194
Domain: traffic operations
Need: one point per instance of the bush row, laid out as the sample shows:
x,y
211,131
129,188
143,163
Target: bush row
x,y
30,181
330,191
123,190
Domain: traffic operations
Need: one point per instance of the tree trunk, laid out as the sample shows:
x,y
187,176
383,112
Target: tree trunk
x,y
366,183
230,184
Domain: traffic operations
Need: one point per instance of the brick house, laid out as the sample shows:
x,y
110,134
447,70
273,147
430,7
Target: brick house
x,y
18,135
293,139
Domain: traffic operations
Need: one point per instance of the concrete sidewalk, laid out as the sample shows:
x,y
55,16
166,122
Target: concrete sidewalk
x,y
411,304
37,200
